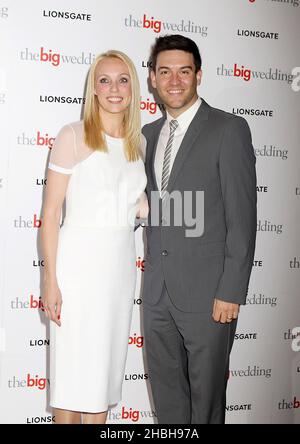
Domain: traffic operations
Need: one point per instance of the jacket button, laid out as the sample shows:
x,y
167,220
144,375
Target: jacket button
x,y
164,253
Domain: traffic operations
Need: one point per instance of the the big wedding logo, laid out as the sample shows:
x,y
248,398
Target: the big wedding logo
x,y
130,414
287,405
40,139
271,151
247,73
30,381
157,25
32,302
55,58
261,299
251,371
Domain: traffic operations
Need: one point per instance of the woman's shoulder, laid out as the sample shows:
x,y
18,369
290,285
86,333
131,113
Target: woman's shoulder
x,y
72,129
76,126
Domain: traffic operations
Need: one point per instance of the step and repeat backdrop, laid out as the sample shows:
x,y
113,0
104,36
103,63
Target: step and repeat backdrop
x,y
251,67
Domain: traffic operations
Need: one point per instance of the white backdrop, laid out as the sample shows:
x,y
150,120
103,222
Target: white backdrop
x,y
45,56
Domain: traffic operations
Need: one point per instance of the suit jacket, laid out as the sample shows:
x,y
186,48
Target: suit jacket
x,y
216,156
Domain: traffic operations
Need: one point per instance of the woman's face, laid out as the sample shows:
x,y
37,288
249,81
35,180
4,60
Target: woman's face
x,y
113,85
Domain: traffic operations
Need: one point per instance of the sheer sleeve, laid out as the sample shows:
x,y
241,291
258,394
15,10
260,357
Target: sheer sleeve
x,y
63,153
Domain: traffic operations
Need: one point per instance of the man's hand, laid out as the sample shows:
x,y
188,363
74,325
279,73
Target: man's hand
x,y
225,311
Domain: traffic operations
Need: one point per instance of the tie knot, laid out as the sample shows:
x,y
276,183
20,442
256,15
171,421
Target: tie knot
x,y
173,125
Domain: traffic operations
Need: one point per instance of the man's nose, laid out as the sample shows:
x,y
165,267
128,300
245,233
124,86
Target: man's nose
x,y
174,80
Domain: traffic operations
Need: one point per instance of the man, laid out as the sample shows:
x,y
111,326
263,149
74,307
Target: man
x,y
194,285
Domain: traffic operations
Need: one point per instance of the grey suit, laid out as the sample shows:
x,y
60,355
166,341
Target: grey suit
x,y
188,353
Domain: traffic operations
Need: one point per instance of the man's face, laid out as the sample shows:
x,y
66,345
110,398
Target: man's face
x,y
176,80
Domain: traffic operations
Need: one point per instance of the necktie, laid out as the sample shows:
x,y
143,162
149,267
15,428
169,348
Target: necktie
x,y
167,158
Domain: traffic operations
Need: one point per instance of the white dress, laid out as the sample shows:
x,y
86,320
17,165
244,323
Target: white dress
x,y
96,272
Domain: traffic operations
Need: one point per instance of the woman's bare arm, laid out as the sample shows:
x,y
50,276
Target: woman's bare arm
x,y
57,184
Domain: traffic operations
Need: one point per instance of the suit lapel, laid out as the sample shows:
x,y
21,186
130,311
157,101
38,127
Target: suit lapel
x,y
190,137
154,142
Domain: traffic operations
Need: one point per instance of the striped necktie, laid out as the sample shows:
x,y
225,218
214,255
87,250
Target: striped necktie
x,y
167,158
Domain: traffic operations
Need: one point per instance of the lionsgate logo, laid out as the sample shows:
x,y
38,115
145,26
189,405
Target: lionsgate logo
x,y
31,381
283,2
257,263
257,34
40,139
255,371
158,25
261,299
41,181
38,263
267,226
247,74
238,407
255,112
262,189
245,336
40,419
62,99
39,342
46,55
3,12
67,15
271,151
136,376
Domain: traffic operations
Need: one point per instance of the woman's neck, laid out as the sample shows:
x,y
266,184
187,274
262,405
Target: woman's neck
x,y
113,124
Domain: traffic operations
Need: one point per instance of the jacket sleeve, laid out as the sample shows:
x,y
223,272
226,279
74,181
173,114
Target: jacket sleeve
x,y
238,184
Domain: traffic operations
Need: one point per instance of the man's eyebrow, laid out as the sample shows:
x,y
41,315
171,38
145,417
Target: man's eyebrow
x,y
181,67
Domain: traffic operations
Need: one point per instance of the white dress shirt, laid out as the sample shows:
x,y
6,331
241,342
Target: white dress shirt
x,y
184,121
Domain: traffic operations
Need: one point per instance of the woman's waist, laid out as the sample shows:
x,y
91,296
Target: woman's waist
x,y
83,225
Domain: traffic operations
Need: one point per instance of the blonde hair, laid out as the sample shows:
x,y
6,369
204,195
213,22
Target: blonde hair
x,y
93,128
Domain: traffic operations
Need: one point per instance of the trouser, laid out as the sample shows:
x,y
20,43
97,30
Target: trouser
x,y
188,363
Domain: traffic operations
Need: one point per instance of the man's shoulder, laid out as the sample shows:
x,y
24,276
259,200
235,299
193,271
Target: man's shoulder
x,y
224,118
150,128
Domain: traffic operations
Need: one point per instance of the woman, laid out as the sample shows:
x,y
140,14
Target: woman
x,y
90,271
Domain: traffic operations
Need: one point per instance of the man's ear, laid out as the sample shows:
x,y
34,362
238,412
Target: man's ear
x,y
153,78
199,77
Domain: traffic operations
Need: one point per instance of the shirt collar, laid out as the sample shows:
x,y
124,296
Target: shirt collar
x,y
185,118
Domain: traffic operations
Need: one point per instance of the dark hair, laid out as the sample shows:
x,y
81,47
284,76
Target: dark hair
x,y
175,41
